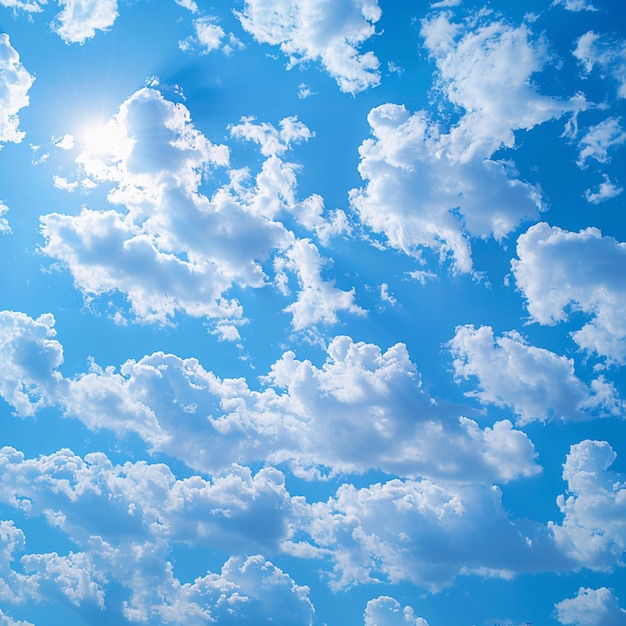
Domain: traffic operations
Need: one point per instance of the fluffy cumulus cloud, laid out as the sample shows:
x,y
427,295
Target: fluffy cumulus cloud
x,y
402,531
561,272
535,383
124,517
593,531
170,248
387,611
593,50
419,198
591,607
362,409
32,358
15,81
434,187
315,30
80,19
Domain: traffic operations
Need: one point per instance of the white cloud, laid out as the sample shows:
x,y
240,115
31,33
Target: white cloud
x,y
535,383
385,296
80,19
168,247
599,138
6,620
387,611
486,68
66,142
425,533
431,185
593,531
272,141
592,49
314,30
23,5
318,300
591,607
575,5
15,81
4,223
415,191
75,576
606,190
31,359
362,409
208,36
560,272
190,5
124,518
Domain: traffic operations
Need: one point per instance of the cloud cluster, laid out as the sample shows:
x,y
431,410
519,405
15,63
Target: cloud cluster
x,y
432,187
556,284
534,383
15,82
362,409
124,518
310,30
426,533
170,248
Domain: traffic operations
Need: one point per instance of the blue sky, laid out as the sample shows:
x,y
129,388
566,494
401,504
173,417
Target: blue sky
x,y
312,312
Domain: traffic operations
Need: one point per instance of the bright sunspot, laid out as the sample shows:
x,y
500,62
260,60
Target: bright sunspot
x,y
96,138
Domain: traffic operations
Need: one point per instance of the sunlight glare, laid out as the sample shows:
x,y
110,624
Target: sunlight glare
x,y
102,138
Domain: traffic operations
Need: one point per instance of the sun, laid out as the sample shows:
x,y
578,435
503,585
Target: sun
x,y
102,138
96,138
